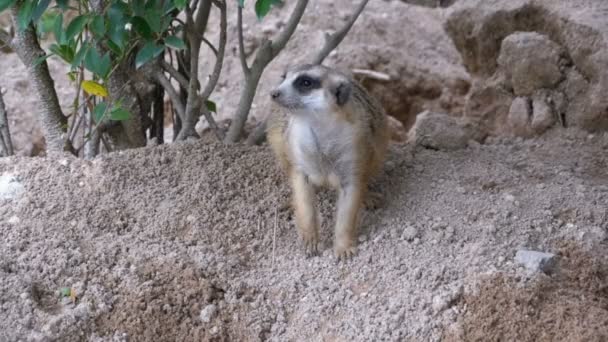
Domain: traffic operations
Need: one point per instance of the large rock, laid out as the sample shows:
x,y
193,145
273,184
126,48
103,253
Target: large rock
x,y
530,61
443,132
557,50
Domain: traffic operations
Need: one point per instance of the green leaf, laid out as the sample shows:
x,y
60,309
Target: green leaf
x,y
92,61
98,26
99,111
211,106
262,7
75,27
153,18
41,59
63,4
175,42
39,10
24,16
47,22
115,48
105,64
119,114
80,55
139,7
241,3
4,4
65,52
118,36
141,26
147,52
58,29
181,4
116,23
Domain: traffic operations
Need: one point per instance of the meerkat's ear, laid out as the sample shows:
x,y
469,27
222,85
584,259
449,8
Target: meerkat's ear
x,y
342,90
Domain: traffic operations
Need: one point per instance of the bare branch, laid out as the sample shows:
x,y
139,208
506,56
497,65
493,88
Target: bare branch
x,y
6,144
242,57
217,69
208,43
212,124
333,40
258,135
174,73
166,84
375,75
265,54
197,29
289,28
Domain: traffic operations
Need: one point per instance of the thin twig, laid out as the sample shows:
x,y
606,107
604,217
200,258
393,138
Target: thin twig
x,y
160,77
290,27
217,69
242,57
208,43
375,75
333,40
212,124
175,74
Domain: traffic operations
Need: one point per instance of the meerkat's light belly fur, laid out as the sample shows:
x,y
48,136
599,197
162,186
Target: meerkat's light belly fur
x,y
322,150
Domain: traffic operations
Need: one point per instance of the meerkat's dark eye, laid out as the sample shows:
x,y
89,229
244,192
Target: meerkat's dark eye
x,y
306,83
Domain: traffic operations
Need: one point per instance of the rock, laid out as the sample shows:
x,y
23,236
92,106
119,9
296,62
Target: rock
x,y
446,299
397,131
208,313
10,187
488,105
536,261
409,233
530,61
519,116
522,47
530,116
443,132
543,116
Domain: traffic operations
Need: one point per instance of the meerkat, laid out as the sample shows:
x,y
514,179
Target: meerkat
x,y
328,132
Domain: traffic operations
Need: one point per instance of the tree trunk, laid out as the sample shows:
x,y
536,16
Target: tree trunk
x,y
132,133
54,123
6,145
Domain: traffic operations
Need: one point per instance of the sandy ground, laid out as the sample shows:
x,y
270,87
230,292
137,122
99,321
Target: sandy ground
x,y
193,241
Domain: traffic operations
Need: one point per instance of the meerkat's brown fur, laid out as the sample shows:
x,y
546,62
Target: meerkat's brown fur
x,y
328,131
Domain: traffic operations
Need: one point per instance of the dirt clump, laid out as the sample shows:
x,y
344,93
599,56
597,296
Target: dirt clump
x,y
546,53
569,305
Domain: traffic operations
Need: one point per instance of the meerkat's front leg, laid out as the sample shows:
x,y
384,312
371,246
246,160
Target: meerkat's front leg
x,y
307,219
349,203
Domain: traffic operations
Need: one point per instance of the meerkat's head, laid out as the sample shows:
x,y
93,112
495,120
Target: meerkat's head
x,y
312,89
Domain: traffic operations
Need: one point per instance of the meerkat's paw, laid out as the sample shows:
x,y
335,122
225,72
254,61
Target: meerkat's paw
x,y
373,200
345,251
311,243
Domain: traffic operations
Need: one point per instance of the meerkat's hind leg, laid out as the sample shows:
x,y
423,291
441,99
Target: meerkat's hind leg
x,y
349,204
307,218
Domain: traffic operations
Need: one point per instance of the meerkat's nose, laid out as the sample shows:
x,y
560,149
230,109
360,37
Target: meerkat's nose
x,y
275,94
